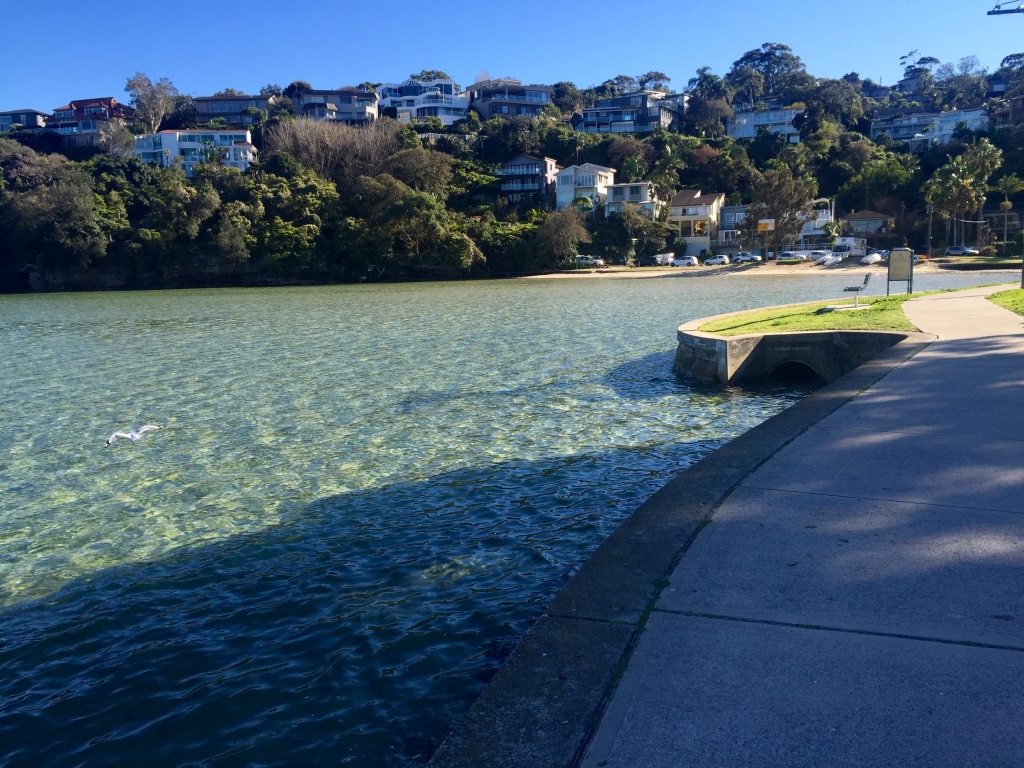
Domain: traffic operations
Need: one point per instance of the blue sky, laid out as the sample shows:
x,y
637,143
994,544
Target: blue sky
x,y
62,50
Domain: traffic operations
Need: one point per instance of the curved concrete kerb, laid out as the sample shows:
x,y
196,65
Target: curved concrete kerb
x,y
754,357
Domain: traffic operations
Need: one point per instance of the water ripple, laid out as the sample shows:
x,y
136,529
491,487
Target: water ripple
x,y
363,498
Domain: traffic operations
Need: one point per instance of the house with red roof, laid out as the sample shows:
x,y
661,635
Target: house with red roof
x,y
78,122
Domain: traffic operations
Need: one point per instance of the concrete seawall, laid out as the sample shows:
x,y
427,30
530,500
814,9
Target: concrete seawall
x,y
545,703
756,356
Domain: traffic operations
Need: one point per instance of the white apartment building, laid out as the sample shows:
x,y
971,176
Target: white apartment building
x,y
414,100
923,129
638,194
587,180
233,148
746,124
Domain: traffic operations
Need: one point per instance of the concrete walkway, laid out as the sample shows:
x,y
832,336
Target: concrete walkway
x,y
858,599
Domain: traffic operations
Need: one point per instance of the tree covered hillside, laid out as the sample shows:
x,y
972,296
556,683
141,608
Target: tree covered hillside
x,y
327,202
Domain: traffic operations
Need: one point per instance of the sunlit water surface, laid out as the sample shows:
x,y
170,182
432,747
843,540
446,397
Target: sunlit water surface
x,y
362,499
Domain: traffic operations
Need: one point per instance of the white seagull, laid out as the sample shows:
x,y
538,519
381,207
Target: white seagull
x,y
134,435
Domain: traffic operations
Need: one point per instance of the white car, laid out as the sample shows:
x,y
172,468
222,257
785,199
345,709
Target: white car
x,y
743,257
790,256
960,250
723,259
665,258
685,261
589,261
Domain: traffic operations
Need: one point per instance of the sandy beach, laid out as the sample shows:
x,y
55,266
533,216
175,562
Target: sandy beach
x,y
770,269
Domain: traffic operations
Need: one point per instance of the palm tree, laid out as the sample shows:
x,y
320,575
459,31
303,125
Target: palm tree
x,y
1008,185
983,158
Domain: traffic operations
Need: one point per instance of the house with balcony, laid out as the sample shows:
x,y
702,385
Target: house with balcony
x,y
351,106
641,112
745,124
413,100
638,194
232,149
78,122
529,181
813,234
505,97
731,220
900,125
696,215
921,130
588,181
233,110
27,119
876,228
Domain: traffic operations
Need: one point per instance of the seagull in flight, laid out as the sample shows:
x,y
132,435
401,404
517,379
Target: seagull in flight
x,y
135,435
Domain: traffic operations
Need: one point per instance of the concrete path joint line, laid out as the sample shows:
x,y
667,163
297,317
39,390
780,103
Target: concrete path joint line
x,y
847,630
882,498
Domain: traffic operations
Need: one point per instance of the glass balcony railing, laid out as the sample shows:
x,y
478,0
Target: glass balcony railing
x,y
502,96
519,170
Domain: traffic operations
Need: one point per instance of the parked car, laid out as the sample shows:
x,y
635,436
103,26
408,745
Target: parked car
x,y
723,259
648,261
960,250
792,256
589,261
685,261
665,258
743,256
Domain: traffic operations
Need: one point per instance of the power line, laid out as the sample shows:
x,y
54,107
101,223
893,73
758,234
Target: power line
x,y
1007,6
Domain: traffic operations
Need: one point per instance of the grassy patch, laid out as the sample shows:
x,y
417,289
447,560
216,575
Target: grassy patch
x,y
1012,300
980,262
885,314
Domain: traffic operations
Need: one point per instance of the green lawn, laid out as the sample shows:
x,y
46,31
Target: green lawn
x,y
1013,300
886,313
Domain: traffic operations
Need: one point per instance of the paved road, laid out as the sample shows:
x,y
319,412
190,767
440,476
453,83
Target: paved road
x,y
858,600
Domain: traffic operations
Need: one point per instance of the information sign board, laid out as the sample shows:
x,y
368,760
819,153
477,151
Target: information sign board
x,y
901,268
766,225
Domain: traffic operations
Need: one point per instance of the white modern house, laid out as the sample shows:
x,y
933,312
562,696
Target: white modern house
x,y
638,194
414,100
744,125
232,149
921,130
588,181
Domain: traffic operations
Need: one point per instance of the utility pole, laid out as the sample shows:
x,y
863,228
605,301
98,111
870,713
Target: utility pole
x,y
930,211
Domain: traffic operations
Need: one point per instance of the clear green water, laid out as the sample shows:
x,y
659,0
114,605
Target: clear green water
x,y
363,497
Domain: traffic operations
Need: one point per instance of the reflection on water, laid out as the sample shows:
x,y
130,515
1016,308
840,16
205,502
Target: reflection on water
x,y
363,497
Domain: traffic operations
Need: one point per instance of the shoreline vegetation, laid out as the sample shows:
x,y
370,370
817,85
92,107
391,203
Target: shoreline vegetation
x,y
330,203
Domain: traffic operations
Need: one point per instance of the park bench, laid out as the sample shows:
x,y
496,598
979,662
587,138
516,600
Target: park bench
x,y
857,289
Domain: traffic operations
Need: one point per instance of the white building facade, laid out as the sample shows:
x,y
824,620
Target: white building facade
x,y
415,100
588,181
746,124
639,195
232,149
